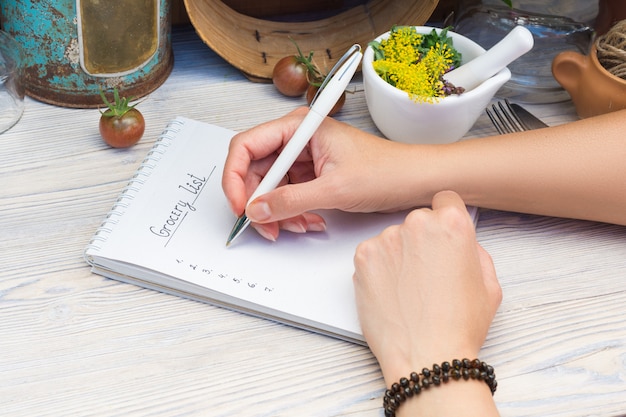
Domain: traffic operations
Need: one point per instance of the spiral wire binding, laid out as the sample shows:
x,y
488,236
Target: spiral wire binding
x,y
135,183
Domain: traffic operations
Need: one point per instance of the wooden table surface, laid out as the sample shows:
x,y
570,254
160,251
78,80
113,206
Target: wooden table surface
x,y
76,344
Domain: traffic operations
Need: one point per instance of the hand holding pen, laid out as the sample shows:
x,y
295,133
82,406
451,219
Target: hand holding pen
x,y
328,94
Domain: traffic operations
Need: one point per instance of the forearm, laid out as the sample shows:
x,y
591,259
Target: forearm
x,y
576,170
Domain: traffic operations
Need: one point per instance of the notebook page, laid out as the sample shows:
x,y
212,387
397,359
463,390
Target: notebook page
x,y
178,220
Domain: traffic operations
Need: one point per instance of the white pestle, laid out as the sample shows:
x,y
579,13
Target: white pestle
x,y
471,74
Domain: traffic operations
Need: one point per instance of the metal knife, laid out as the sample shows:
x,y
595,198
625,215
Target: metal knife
x,y
529,120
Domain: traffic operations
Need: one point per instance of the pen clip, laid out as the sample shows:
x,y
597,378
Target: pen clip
x,y
345,57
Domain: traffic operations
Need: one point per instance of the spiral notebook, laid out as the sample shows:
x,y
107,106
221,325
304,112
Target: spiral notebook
x,y
168,228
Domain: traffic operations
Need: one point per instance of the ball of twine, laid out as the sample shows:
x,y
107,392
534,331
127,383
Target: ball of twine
x,y
611,49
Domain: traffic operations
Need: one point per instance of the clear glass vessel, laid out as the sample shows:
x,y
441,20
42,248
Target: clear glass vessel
x,y
554,30
11,87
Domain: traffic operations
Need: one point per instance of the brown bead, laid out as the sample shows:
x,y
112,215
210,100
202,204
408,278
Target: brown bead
x,y
436,369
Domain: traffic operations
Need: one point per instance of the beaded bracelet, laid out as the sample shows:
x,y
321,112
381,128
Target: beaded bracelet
x,y
408,387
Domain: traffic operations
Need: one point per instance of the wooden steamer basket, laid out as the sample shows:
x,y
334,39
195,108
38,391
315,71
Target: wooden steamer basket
x,y
254,45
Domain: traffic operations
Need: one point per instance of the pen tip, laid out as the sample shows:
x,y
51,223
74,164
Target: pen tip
x,y
240,225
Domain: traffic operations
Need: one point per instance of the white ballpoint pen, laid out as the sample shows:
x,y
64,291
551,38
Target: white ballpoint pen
x,y
329,92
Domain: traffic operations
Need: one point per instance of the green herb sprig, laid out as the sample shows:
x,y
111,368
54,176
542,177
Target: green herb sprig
x,y
432,39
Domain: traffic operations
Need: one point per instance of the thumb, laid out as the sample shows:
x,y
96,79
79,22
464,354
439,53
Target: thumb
x,y
286,202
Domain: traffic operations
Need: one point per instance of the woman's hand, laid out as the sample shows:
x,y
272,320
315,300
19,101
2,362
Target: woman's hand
x,y
341,167
426,291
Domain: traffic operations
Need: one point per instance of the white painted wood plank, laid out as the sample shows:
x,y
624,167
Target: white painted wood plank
x,y
74,343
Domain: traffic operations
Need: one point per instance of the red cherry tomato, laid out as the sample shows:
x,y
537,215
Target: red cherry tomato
x,y
122,125
122,131
290,76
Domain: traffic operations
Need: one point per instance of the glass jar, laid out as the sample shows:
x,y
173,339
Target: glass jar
x,y
554,30
11,87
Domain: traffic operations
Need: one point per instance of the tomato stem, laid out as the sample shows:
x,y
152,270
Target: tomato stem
x,y
308,63
119,107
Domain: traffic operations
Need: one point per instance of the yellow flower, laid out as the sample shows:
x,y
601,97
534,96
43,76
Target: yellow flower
x,y
399,47
407,66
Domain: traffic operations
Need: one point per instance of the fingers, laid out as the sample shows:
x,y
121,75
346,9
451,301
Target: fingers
x,y
447,199
251,148
287,201
250,156
307,222
450,204
233,183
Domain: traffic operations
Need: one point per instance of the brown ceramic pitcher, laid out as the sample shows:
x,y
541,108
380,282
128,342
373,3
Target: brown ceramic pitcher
x,y
593,89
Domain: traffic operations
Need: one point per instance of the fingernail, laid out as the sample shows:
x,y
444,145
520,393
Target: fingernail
x,y
317,227
266,234
295,227
258,212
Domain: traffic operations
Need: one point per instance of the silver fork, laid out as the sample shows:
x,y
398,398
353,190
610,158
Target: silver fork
x,y
504,117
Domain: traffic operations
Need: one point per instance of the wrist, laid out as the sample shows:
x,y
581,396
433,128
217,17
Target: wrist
x,y
430,390
396,363
425,172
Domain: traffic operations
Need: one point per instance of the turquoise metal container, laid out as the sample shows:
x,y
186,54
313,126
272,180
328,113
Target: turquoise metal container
x,y
74,48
